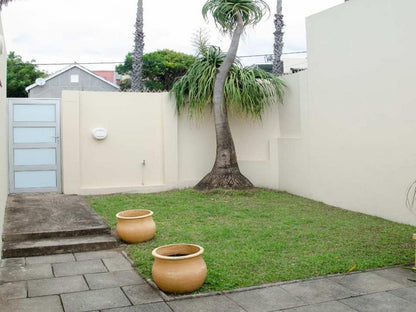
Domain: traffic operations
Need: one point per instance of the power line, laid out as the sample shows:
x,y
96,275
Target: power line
x,y
284,53
121,62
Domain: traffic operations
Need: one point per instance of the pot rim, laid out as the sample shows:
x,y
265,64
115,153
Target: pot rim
x,y
193,255
148,214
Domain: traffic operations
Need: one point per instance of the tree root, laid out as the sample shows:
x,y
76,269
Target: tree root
x,y
224,180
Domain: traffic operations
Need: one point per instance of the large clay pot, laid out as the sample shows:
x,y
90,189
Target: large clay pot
x,y
135,226
179,268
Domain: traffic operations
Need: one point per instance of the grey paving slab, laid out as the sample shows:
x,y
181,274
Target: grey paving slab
x,y
317,291
94,300
54,286
139,294
28,272
90,255
379,302
366,282
332,306
39,304
408,294
151,307
118,263
12,262
205,304
12,290
51,259
113,279
399,275
265,299
78,268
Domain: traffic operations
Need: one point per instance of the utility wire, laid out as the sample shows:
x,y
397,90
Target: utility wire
x,y
115,62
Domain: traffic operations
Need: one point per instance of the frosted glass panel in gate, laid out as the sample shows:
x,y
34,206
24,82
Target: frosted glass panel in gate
x,y
34,135
34,156
35,179
34,112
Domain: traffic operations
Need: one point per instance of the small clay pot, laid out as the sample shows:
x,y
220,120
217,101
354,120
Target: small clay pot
x,y
179,268
135,226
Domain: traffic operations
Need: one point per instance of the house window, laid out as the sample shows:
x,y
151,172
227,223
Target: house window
x,y
74,78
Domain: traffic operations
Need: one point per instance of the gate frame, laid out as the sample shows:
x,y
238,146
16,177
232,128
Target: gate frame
x,y
57,145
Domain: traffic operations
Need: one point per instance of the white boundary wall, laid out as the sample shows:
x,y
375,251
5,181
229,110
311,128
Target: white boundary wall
x,y
349,127
177,151
3,133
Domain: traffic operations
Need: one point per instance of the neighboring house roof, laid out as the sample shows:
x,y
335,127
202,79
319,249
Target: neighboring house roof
x,y
106,74
68,68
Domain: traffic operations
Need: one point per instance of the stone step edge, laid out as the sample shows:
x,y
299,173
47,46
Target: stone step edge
x,y
18,237
43,247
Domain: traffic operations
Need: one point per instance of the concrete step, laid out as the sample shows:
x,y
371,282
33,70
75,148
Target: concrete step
x,y
73,232
49,246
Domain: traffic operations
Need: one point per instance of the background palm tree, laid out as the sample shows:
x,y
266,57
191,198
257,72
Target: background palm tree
x,y
278,40
4,2
136,76
218,80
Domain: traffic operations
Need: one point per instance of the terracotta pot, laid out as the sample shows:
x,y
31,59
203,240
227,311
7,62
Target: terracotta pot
x,y
135,226
179,268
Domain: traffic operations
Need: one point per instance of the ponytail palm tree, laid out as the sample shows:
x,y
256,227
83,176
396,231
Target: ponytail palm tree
x,y
246,91
217,80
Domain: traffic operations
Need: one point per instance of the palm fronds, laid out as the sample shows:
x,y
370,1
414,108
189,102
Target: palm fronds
x,y
247,90
224,12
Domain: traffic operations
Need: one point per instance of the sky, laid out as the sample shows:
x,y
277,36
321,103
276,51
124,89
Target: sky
x,y
62,31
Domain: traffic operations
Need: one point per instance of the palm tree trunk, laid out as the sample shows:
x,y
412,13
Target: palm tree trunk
x,y
225,173
278,41
136,77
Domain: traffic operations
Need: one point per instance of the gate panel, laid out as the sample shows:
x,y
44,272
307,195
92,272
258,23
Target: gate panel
x,y
34,145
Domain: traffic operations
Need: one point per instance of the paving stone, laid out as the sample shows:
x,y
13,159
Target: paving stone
x,y
317,291
51,259
91,255
205,304
332,306
40,304
379,302
94,300
78,268
265,299
408,294
12,290
113,279
55,286
151,307
28,272
12,262
399,275
140,294
117,263
366,282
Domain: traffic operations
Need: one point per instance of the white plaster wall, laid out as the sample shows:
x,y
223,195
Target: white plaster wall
x,y
3,133
178,150
255,142
358,121
135,124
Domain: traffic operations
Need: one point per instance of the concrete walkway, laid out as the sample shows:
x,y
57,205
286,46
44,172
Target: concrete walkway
x,y
106,281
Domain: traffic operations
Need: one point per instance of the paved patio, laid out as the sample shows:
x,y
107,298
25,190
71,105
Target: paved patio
x,y
106,281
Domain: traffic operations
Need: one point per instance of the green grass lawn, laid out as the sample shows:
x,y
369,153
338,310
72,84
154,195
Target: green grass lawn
x,y
252,238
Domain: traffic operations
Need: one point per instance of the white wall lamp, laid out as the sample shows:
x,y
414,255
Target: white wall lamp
x,y
99,133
